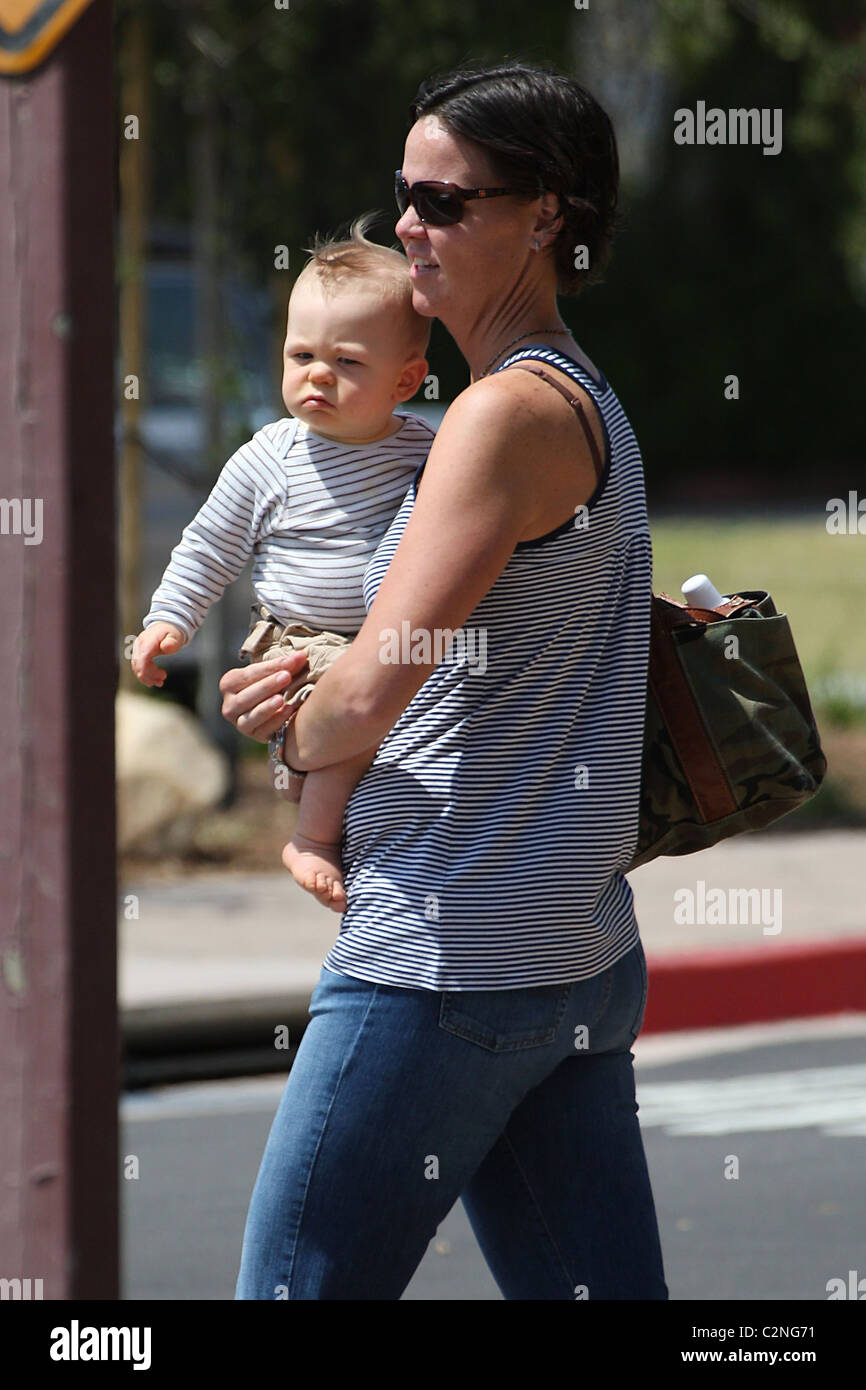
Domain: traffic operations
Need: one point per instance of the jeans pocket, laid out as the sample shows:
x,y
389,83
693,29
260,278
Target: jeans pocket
x,y
644,978
505,1020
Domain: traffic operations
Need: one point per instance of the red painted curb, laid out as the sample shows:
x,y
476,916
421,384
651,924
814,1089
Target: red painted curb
x,y
719,989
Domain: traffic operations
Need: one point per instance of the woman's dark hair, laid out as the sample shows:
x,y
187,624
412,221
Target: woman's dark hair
x,y
541,130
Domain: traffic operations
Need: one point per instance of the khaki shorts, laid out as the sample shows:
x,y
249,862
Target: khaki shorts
x,y
268,637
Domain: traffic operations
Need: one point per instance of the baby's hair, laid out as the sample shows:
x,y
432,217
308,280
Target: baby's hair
x,y
337,260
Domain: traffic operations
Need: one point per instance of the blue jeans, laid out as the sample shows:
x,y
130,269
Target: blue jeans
x,y
520,1102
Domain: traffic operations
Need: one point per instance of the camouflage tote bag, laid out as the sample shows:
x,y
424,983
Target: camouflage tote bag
x,y
730,742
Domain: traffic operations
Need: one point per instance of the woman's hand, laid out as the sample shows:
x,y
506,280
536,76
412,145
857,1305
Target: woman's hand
x,y
255,696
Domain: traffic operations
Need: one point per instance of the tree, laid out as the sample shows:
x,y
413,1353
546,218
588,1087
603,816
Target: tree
x,y
728,261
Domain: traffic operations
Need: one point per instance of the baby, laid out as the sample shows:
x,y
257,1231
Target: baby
x,y
311,497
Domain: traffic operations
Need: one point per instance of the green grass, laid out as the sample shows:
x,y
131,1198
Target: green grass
x,y
817,579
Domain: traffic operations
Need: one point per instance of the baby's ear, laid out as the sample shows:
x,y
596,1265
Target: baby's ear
x,y
411,377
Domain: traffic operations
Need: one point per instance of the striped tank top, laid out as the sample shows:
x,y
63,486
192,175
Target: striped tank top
x,y
484,848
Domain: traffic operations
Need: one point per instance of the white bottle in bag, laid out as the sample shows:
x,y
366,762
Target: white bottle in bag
x,y
700,592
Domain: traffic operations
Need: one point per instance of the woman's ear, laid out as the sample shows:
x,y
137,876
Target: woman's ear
x,y
550,218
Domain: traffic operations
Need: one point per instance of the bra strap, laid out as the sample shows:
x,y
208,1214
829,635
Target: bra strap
x,y
573,401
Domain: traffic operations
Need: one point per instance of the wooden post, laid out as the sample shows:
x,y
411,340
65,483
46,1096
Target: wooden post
x,y
59,1050
210,347
134,171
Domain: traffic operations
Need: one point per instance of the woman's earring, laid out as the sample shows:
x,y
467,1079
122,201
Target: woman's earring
x,y
536,243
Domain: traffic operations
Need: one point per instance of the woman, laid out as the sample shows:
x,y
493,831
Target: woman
x,y
470,1034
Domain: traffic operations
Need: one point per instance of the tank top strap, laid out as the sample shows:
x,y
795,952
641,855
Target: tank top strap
x,y
575,403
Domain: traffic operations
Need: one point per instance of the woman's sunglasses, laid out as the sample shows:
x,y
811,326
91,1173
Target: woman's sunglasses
x,y
440,204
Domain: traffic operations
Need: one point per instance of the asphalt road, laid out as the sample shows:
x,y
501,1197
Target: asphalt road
x,y
783,1106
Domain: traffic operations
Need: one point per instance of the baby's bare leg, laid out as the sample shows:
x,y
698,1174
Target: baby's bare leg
x,y
313,853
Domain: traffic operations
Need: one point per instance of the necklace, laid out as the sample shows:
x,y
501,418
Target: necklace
x,y
554,332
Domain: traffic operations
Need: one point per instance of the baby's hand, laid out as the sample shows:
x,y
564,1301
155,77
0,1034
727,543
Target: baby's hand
x,y
158,639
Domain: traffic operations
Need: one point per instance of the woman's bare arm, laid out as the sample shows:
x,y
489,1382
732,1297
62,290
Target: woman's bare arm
x,y
487,477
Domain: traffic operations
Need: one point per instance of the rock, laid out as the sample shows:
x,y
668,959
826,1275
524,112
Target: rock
x,y
168,773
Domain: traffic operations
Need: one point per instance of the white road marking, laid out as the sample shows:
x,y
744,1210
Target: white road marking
x,y
832,1099
263,1093
663,1049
